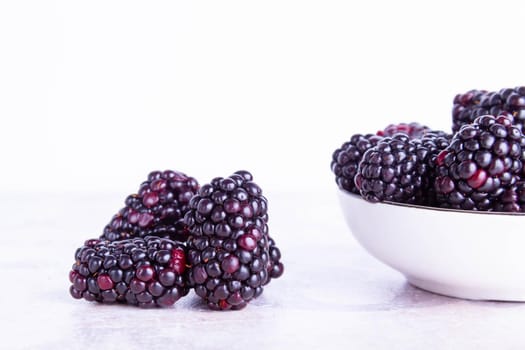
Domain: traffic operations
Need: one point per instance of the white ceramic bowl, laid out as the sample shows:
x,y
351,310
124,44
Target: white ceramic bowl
x,y
470,255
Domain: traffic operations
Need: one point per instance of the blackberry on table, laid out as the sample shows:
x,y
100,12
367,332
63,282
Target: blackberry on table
x,y
229,245
394,170
146,272
157,209
345,160
482,162
275,266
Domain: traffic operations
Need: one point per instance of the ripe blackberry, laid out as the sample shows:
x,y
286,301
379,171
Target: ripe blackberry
x,y
275,266
345,160
438,134
513,199
158,209
515,105
483,160
396,170
147,272
472,104
229,246
413,130
475,103
434,141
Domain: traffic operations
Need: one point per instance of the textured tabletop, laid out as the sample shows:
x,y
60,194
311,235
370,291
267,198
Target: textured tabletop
x,y
332,294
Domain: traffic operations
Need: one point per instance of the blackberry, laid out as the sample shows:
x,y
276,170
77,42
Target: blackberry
x,y
158,209
395,170
345,160
472,104
513,199
146,272
475,103
515,105
443,135
229,246
413,130
434,141
275,266
483,160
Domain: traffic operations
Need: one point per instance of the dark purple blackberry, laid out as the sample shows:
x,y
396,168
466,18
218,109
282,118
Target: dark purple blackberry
x,y
515,105
469,106
275,266
475,103
158,209
229,246
395,170
483,160
413,130
434,141
433,134
345,160
513,199
147,272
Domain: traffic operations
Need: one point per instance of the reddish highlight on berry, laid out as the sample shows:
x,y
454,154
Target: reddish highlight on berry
x,y
478,179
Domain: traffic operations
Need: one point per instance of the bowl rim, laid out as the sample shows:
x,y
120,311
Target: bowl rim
x,y
422,207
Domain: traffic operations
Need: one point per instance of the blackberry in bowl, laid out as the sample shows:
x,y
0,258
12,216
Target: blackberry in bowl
x,y
484,159
346,159
474,103
413,130
447,212
397,169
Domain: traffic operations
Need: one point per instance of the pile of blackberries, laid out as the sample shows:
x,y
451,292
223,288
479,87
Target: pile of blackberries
x,y
174,236
480,165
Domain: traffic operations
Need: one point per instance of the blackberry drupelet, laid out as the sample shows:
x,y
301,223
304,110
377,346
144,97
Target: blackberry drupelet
x,y
475,103
146,272
158,209
395,170
414,130
345,160
230,252
483,161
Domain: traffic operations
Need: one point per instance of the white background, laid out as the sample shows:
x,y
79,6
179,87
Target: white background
x,y
94,95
